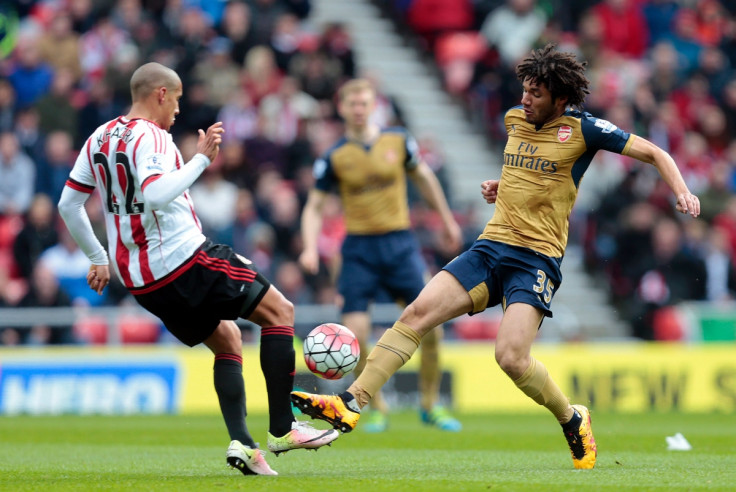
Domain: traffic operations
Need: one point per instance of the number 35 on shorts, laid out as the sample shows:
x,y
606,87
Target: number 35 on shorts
x,y
544,286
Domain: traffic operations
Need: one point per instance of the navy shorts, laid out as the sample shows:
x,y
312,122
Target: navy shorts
x,y
498,273
390,263
216,284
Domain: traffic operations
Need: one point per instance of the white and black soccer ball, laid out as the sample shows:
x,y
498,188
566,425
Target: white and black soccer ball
x,y
331,351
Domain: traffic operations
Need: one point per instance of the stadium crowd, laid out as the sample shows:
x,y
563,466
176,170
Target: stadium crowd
x,y
661,68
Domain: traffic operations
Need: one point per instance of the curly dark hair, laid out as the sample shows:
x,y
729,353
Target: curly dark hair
x,y
559,71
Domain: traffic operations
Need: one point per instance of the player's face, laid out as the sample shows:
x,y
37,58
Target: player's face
x,y
538,105
357,107
170,107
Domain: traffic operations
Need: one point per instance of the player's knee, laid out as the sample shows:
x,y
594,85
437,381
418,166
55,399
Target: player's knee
x,y
510,362
282,314
412,314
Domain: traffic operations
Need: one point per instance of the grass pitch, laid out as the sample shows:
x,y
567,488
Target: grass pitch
x,y
493,452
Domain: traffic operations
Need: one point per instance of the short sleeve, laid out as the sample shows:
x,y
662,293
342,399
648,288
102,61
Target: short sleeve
x,y
154,154
412,153
82,177
600,134
324,176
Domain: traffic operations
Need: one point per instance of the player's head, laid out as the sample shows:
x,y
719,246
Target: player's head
x,y
159,88
552,81
357,99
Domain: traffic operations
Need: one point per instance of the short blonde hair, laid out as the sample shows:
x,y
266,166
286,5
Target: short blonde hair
x,y
355,85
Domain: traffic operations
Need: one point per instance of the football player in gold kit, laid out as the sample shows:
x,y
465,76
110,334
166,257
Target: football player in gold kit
x,y
516,259
369,167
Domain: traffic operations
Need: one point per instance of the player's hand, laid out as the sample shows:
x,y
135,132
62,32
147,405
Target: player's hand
x,y
98,277
452,238
687,203
209,143
309,261
489,190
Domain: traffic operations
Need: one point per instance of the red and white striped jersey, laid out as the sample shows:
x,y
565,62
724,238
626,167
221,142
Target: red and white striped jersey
x,y
120,159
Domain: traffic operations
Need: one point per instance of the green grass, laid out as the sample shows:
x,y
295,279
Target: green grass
x,y
493,452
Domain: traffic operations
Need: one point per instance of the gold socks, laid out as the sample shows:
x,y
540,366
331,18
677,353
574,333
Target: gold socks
x,y
392,351
537,385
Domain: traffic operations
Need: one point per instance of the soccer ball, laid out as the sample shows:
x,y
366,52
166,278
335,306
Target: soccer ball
x,y
331,351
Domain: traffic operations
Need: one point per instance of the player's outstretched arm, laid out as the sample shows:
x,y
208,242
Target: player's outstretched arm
x,y
431,190
311,225
646,151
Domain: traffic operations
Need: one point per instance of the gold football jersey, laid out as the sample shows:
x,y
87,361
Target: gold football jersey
x,y
542,170
371,180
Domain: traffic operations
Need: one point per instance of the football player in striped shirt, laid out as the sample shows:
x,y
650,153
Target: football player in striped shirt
x,y
157,248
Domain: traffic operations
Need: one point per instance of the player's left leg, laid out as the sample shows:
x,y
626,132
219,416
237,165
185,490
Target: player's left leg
x,y
275,314
243,453
516,334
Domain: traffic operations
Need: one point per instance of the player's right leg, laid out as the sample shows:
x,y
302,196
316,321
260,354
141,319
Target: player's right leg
x,y
442,299
275,314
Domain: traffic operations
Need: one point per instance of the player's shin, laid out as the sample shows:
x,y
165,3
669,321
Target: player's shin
x,y
278,366
429,368
392,351
537,385
230,389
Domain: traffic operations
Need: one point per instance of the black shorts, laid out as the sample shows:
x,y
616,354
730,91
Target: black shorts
x,y
219,285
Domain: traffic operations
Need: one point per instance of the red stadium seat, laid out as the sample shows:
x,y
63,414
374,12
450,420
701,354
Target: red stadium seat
x,y
467,46
478,327
668,325
138,329
91,330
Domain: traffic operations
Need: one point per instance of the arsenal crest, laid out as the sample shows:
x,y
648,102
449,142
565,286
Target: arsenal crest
x,y
564,133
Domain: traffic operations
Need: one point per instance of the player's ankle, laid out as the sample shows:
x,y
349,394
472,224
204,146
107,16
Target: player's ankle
x,y
350,401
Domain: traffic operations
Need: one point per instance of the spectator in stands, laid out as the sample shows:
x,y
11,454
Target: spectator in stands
x,y
215,199
720,269
7,105
261,75
336,43
30,76
44,291
265,14
38,234
98,47
624,27
670,275
236,26
513,29
55,109
240,116
70,265
17,176
283,111
53,169
287,39
218,73
59,45
101,106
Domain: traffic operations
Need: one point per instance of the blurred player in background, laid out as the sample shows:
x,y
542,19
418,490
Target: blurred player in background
x,y
196,287
516,260
368,167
